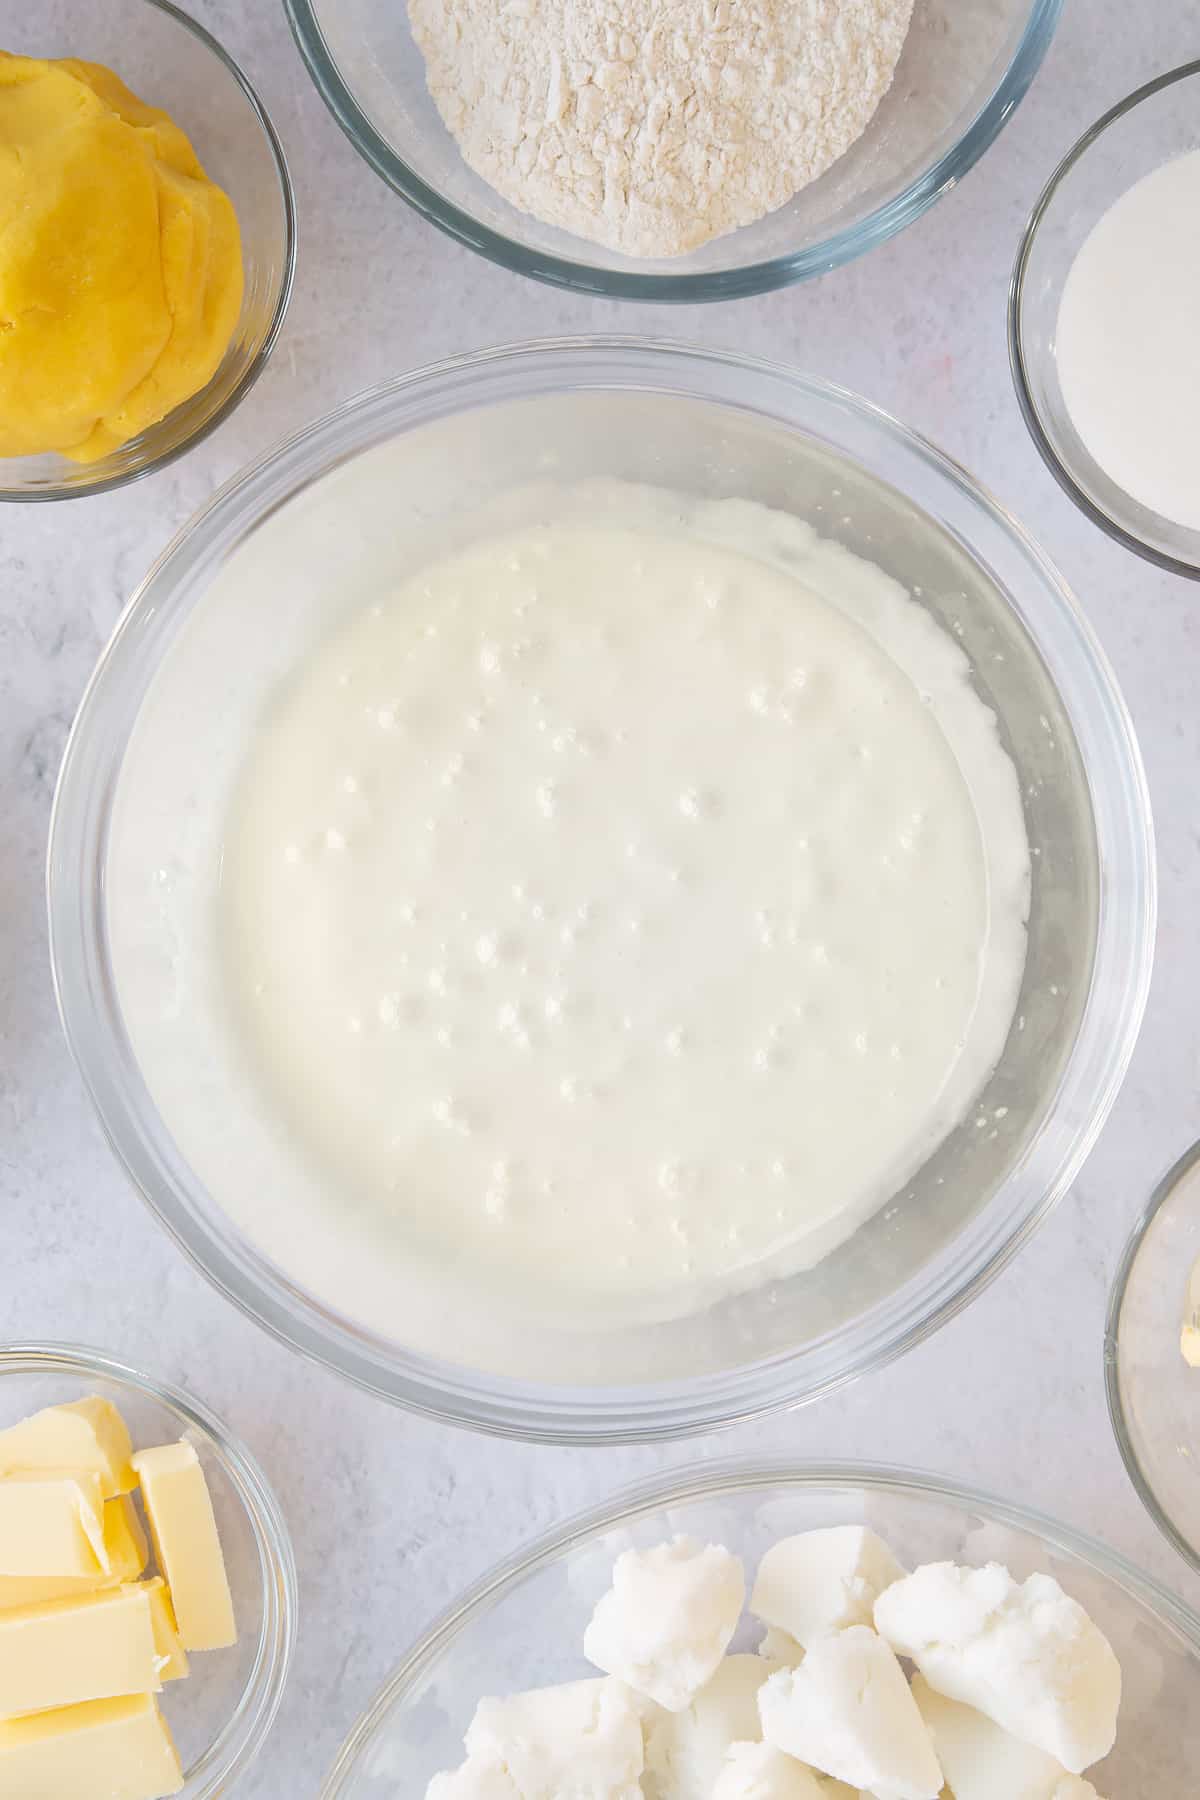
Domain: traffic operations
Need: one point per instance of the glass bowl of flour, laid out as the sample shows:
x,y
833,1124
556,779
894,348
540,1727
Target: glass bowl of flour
x,y
693,151
602,890
1101,322
523,1624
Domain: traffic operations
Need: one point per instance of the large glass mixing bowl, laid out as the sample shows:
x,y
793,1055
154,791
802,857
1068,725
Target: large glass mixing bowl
x,y
964,70
405,472
522,1625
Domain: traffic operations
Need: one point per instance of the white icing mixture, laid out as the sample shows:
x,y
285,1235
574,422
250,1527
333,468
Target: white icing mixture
x,y
651,126
621,906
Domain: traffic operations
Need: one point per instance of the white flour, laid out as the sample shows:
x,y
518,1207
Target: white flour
x,y
651,126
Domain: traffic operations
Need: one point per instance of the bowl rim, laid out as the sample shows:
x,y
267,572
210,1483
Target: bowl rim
x,y
710,1480
1018,361
756,278
254,368
1135,1467
523,1409
261,1696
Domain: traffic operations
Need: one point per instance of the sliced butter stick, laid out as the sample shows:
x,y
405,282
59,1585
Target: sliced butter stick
x,y
169,1652
94,1648
119,1748
127,1551
52,1524
186,1543
88,1435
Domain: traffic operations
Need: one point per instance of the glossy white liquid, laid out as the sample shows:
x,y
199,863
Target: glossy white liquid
x,y
1128,341
617,909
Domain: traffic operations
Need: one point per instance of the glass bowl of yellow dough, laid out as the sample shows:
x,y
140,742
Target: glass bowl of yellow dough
x,y
147,242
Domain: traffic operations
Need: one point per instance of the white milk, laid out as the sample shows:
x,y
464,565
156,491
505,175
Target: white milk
x,y
1128,341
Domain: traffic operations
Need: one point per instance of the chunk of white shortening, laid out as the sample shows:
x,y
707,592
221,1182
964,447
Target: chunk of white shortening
x,y
781,1647
823,1581
848,1711
982,1761
476,1779
1022,1653
760,1772
583,1740
685,1750
666,1622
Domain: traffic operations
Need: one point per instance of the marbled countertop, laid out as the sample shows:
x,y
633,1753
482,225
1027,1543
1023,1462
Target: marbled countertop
x,y
391,1515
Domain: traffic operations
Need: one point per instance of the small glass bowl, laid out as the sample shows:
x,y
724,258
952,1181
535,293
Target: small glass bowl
x,y
522,1625
221,1716
1142,132
172,62
963,72
1153,1395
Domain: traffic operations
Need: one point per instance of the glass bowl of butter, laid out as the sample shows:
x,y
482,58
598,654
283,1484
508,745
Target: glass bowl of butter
x,y
523,1627
149,280
149,1577
487,1014
1152,1355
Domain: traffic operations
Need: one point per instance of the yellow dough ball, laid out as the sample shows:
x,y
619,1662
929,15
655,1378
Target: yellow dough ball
x,y
120,262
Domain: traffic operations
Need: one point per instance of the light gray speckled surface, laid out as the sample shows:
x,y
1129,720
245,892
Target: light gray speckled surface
x,y
392,1515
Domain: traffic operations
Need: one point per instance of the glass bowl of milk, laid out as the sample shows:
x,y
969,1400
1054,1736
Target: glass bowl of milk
x,y
1102,322
522,1626
602,890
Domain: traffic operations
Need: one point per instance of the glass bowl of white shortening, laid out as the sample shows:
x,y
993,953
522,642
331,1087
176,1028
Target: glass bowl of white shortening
x,y
293,548
522,1625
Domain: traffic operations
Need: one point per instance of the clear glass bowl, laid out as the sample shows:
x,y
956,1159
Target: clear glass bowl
x,y
522,1625
965,68
1142,132
263,572
172,62
221,1715
1153,1395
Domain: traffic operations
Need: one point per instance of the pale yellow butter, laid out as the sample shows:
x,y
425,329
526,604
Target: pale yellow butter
x,y
184,1530
84,1434
127,1550
125,1539
52,1524
169,1652
120,1749
95,1647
